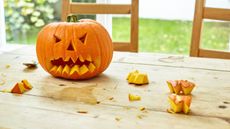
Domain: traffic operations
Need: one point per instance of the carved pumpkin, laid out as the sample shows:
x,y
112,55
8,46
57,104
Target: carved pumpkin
x,y
78,50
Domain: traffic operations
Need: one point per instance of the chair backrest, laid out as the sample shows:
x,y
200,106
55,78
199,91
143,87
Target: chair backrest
x,y
69,7
202,12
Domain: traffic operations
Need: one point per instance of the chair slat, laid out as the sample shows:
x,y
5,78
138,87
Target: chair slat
x,y
202,12
80,8
217,13
214,54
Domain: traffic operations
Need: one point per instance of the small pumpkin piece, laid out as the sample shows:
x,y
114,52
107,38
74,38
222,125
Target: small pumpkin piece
x,y
187,101
137,78
174,86
18,88
31,65
187,86
176,103
141,79
134,97
117,118
180,86
7,66
142,108
27,85
131,73
179,104
82,111
21,87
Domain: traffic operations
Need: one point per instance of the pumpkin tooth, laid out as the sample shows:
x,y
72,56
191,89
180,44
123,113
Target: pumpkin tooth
x,y
88,58
66,70
81,58
97,62
91,67
74,69
66,58
59,70
83,70
73,59
53,69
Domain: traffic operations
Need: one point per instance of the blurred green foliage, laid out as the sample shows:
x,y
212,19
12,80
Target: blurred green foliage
x,y
24,15
25,18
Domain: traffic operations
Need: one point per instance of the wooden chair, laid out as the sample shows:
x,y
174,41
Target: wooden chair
x,y
69,7
202,12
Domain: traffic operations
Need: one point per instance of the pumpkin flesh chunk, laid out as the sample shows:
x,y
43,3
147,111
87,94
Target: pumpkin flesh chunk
x,y
137,78
180,86
179,103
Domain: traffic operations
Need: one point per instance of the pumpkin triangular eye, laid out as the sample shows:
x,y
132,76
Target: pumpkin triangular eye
x,y
70,47
57,39
82,39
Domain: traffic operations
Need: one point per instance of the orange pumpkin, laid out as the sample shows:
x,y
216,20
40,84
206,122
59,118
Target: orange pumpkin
x,y
78,50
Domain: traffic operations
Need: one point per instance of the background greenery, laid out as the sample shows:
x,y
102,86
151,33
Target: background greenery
x,y
172,36
24,19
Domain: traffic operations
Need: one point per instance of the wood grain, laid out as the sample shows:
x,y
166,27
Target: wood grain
x,y
55,103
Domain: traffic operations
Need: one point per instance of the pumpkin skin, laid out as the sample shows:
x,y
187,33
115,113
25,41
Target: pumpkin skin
x,y
79,50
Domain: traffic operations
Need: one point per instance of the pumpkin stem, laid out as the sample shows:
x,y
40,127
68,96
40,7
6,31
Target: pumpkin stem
x,y
72,18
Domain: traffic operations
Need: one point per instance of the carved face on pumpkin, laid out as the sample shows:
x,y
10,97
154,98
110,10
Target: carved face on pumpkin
x,y
74,50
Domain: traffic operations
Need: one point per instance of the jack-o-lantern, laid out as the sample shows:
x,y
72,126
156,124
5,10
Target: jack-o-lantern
x,y
71,50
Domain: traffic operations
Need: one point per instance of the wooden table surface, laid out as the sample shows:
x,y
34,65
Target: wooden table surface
x,y
55,103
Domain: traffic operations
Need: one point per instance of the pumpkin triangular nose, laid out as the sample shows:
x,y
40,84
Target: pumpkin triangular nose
x,y
70,47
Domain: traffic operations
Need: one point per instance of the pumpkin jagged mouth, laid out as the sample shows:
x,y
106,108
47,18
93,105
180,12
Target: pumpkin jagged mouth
x,y
70,67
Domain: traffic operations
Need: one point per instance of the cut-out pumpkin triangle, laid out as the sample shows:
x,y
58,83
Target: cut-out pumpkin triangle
x,y
82,39
57,39
70,47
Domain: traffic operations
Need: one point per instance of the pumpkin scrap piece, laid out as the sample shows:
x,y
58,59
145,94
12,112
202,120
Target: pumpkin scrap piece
x,y
21,87
18,88
179,103
180,86
27,85
117,118
82,111
7,66
187,86
111,98
31,65
142,108
134,97
138,78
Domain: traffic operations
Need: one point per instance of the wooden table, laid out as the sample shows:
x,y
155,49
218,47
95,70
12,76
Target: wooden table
x,y
105,98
